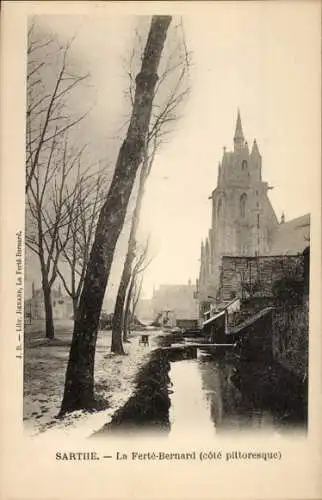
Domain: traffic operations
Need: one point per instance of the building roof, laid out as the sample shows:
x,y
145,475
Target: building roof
x,y
291,237
249,321
213,318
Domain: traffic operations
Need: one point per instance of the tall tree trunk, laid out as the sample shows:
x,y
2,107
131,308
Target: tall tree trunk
x,y
118,318
127,311
75,307
136,299
117,322
79,383
46,288
50,331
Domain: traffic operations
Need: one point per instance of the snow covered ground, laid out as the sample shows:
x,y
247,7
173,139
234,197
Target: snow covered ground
x,y
44,374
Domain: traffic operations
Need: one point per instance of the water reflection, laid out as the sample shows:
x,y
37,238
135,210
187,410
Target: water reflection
x,y
229,408
188,409
205,397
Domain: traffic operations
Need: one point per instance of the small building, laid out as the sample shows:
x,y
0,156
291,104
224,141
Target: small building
x,y
62,305
217,323
215,328
179,300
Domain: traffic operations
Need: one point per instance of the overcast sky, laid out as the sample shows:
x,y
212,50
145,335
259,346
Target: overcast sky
x,y
262,57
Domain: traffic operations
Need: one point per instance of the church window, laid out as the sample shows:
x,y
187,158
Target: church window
x,y
256,192
257,204
244,164
242,205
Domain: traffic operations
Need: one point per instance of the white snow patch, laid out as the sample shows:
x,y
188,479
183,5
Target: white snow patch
x,y
45,367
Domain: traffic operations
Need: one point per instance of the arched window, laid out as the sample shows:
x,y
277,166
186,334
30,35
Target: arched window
x,y
242,205
244,165
219,208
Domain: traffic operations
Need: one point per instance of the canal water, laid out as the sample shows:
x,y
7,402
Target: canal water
x,y
205,399
207,396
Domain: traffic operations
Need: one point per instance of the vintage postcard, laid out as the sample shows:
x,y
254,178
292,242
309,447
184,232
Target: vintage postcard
x,y
161,250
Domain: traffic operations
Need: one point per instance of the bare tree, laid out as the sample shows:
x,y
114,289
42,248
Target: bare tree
x,y
79,383
81,219
142,261
51,81
172,89
137,291
50,156
49,201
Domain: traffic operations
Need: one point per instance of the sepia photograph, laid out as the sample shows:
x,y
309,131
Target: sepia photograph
x,y
227,323
163,269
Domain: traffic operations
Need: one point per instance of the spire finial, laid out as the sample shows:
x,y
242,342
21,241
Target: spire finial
x,y
239,135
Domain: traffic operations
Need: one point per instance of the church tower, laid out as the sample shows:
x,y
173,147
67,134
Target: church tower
x,y
243,219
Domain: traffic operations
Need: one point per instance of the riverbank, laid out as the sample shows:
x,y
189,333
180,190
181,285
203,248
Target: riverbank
x,y
148,408
45,365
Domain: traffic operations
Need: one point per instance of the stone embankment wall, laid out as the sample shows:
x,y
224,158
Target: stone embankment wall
x,y
258,273
256,341
280,336
290,338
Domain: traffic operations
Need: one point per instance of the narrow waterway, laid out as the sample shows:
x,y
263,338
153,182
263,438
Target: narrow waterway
x,y
189,407
205,399
205,396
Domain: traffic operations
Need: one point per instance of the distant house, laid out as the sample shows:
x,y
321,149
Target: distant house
x,y
179,300
62,305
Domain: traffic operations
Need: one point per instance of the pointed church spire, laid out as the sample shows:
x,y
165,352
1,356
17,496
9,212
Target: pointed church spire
x,y
239,135
255,150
